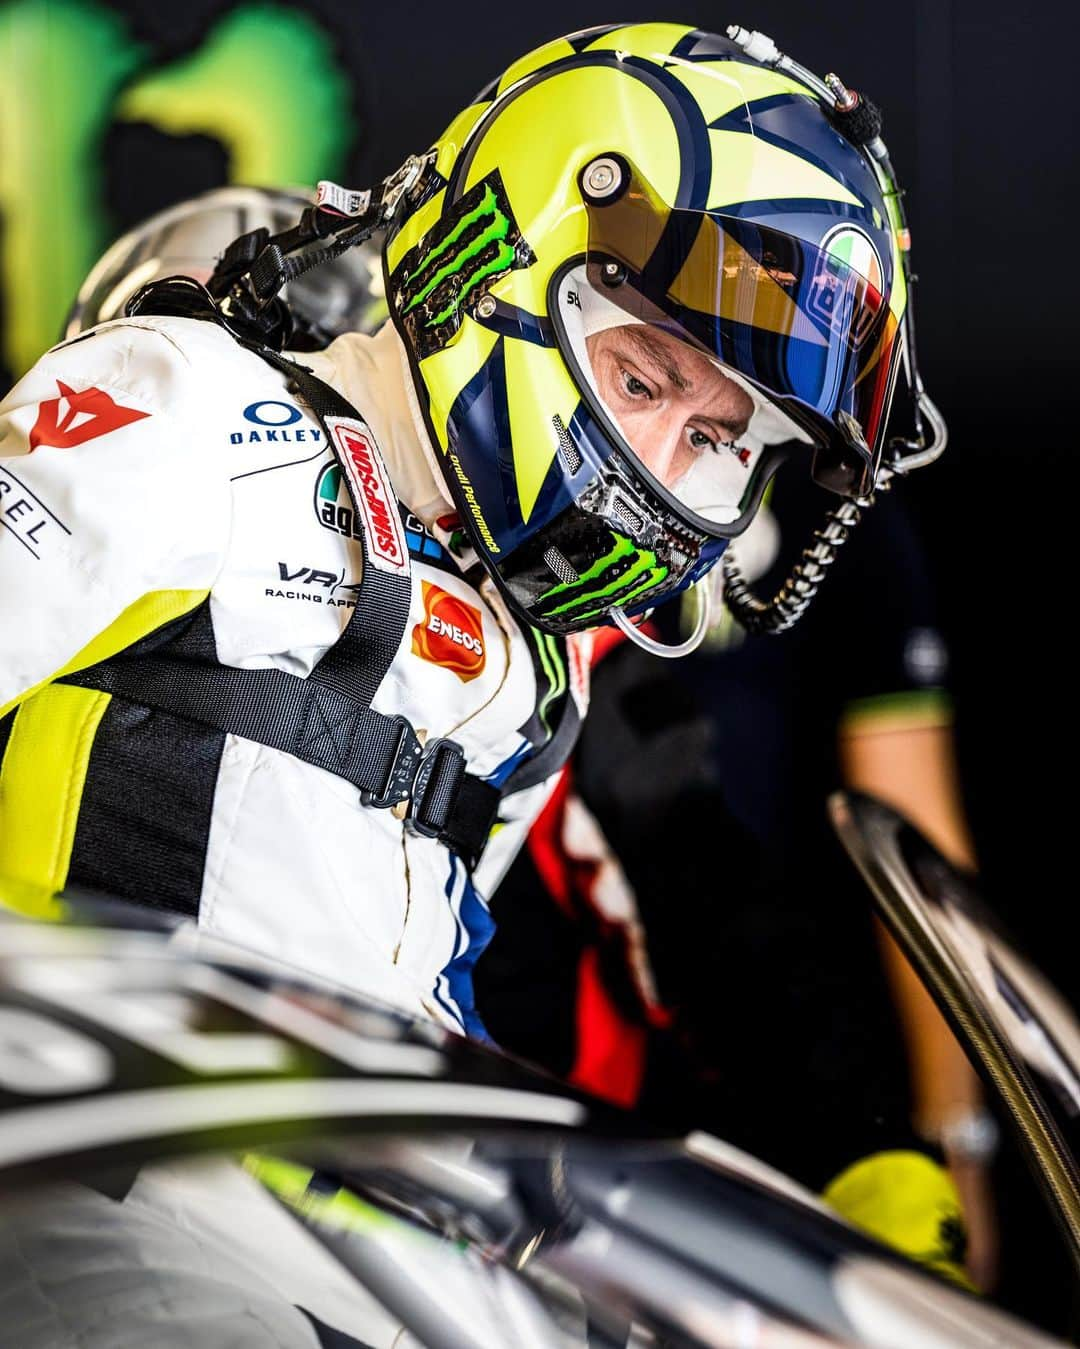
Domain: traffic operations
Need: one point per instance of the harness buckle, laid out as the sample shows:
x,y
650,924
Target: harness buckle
x,y
419,772
442,766
401,775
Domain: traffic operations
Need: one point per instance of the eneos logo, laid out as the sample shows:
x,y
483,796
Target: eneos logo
x,y
385,537
451,635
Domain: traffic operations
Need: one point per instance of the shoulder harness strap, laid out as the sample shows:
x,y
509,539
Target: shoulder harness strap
x,y
326,718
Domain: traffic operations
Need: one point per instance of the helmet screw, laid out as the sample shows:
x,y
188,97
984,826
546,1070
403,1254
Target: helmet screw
x,y
603,178
485,306
612,274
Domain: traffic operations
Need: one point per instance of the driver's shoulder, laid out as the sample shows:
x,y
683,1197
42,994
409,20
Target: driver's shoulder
x,y
165,364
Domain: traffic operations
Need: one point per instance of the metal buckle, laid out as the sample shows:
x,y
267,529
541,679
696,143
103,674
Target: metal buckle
x,y
404,767
410,774
423,779
402,181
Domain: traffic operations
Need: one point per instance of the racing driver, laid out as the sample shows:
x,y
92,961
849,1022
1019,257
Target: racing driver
x,y
276,657
281,646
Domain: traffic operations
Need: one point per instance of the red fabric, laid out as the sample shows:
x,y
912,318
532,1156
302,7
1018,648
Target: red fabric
x,y
611,1050
610,1059
545,846
605,640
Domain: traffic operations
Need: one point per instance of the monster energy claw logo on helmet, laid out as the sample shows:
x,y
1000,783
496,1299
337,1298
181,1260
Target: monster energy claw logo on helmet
x,y
617,577
480,242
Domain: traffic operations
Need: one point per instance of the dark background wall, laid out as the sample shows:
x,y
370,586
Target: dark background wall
x,y
982,123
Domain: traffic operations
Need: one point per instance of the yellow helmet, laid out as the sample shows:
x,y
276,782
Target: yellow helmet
x,y
908,1201
653,196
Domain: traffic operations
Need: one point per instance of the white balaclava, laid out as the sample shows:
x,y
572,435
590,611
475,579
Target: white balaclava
x,y
714,485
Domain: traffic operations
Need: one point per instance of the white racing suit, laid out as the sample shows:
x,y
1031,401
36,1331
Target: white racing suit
x,y
156,478
154,473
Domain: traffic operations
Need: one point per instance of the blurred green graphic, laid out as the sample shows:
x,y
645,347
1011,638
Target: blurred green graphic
x,y
264,82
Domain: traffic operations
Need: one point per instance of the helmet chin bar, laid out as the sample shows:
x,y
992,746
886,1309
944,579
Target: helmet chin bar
x,y
859,121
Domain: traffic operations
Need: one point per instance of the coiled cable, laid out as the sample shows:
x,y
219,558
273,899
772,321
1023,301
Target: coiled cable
x,y
765,617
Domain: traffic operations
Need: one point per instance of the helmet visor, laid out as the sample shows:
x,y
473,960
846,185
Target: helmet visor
x,y
801,340
703,433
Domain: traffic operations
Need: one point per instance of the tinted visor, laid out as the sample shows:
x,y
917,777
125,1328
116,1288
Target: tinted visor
x,y
808,327
701,432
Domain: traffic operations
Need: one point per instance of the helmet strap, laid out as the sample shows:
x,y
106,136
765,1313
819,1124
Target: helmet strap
x,y
254,268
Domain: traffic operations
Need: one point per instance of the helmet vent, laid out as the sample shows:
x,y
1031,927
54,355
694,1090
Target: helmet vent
x,y
560,566
567,448
620,511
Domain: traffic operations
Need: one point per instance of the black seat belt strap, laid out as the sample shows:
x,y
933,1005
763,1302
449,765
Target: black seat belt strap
x,y
379,754
358,661
326,719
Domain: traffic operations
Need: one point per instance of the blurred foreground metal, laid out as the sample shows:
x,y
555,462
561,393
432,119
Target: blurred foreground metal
x,y
486,1205
1020,1032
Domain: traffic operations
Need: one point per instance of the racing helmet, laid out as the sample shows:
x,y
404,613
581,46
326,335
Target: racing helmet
x,y
345,295
625,214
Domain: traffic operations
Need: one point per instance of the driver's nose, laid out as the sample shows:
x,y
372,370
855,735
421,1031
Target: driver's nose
x,y
657,442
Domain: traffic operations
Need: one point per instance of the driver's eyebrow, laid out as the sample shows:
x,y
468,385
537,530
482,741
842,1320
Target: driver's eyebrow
x,y
732,428
639,335
660,358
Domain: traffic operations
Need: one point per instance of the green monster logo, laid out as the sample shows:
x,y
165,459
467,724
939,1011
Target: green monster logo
x,y
477,241
607,581
554,670
264,83
494,233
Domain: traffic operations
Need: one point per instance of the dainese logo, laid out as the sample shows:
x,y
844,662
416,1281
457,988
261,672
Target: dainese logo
x,y
451,635
77,416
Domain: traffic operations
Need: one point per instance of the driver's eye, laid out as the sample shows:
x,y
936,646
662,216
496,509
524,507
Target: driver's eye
x,y
634,387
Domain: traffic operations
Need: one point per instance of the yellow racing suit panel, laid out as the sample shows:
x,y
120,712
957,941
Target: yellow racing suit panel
x,y
138,620
41,783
